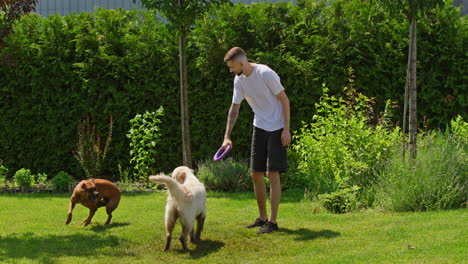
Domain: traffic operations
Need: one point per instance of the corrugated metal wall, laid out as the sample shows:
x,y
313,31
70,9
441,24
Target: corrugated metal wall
x,y
463,3
65,7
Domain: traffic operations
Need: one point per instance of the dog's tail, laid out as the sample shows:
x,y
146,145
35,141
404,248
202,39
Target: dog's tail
x,y
176,189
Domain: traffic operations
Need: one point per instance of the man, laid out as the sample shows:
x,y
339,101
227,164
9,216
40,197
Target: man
x,y
260,86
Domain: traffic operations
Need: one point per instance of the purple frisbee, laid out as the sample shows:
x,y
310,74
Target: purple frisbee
x,y
221,153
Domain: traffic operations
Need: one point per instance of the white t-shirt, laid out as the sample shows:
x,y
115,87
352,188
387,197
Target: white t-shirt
x,y
260,90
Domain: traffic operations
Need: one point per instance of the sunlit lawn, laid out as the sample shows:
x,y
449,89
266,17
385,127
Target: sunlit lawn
x,y
33,230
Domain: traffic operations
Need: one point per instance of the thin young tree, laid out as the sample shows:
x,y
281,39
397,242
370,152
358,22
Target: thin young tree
x,y
182,14
412,9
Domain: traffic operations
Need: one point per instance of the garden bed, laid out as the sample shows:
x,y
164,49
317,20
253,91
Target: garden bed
x,y
126,187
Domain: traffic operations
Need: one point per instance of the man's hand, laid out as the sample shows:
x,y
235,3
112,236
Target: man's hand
x,y
232,117
227,142
285,137
286,134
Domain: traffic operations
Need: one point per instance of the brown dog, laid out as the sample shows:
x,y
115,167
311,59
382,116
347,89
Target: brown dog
x,y
95,193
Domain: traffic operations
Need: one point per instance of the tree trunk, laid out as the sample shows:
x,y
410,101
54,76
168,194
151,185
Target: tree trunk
x,y
405,104
413,121
184,112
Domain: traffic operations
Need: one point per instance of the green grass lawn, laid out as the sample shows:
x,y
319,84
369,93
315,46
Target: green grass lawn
x,y
33,230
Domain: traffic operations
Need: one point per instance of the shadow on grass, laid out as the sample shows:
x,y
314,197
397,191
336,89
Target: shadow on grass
x,y
288,196
136,194
47,248
102,228
35,195
304,234
205,247
68,194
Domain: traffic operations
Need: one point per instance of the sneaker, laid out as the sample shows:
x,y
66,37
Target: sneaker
x,y
268,227
258,222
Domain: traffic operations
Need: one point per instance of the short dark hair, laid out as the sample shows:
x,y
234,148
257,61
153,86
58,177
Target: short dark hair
x,y
234,53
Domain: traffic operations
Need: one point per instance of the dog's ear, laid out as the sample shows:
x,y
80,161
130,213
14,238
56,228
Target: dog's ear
x,y
180,176
87,184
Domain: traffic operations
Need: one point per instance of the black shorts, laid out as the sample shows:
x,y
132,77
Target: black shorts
x,y
268,154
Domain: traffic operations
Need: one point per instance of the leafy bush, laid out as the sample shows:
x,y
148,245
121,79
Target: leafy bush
x,y
144,135
128,183
3,173
342,201
460,129
436,179
24,178
61,181
41,178
294,178
124,174
227,175
339,147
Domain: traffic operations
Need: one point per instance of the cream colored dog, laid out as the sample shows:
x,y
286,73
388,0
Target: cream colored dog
x,y
187,201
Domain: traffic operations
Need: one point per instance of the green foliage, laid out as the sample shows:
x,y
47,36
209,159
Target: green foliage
x,y
61,181
109,62
24,178
339,147
412,7
41,178
437,105
295,178
228,175
181,12
314,43
124,174
10,12
3,173
144,135
88,150
436,179
344,200
59,69
459,128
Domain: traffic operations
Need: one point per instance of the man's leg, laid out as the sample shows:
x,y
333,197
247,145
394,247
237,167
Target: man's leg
x,y
258,162
275,194
260,194
276,162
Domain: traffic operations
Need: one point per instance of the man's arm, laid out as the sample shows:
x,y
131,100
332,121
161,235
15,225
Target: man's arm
x,y
286,135
231,121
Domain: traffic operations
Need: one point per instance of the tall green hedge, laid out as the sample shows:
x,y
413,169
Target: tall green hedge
x,y
110,62
57,70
